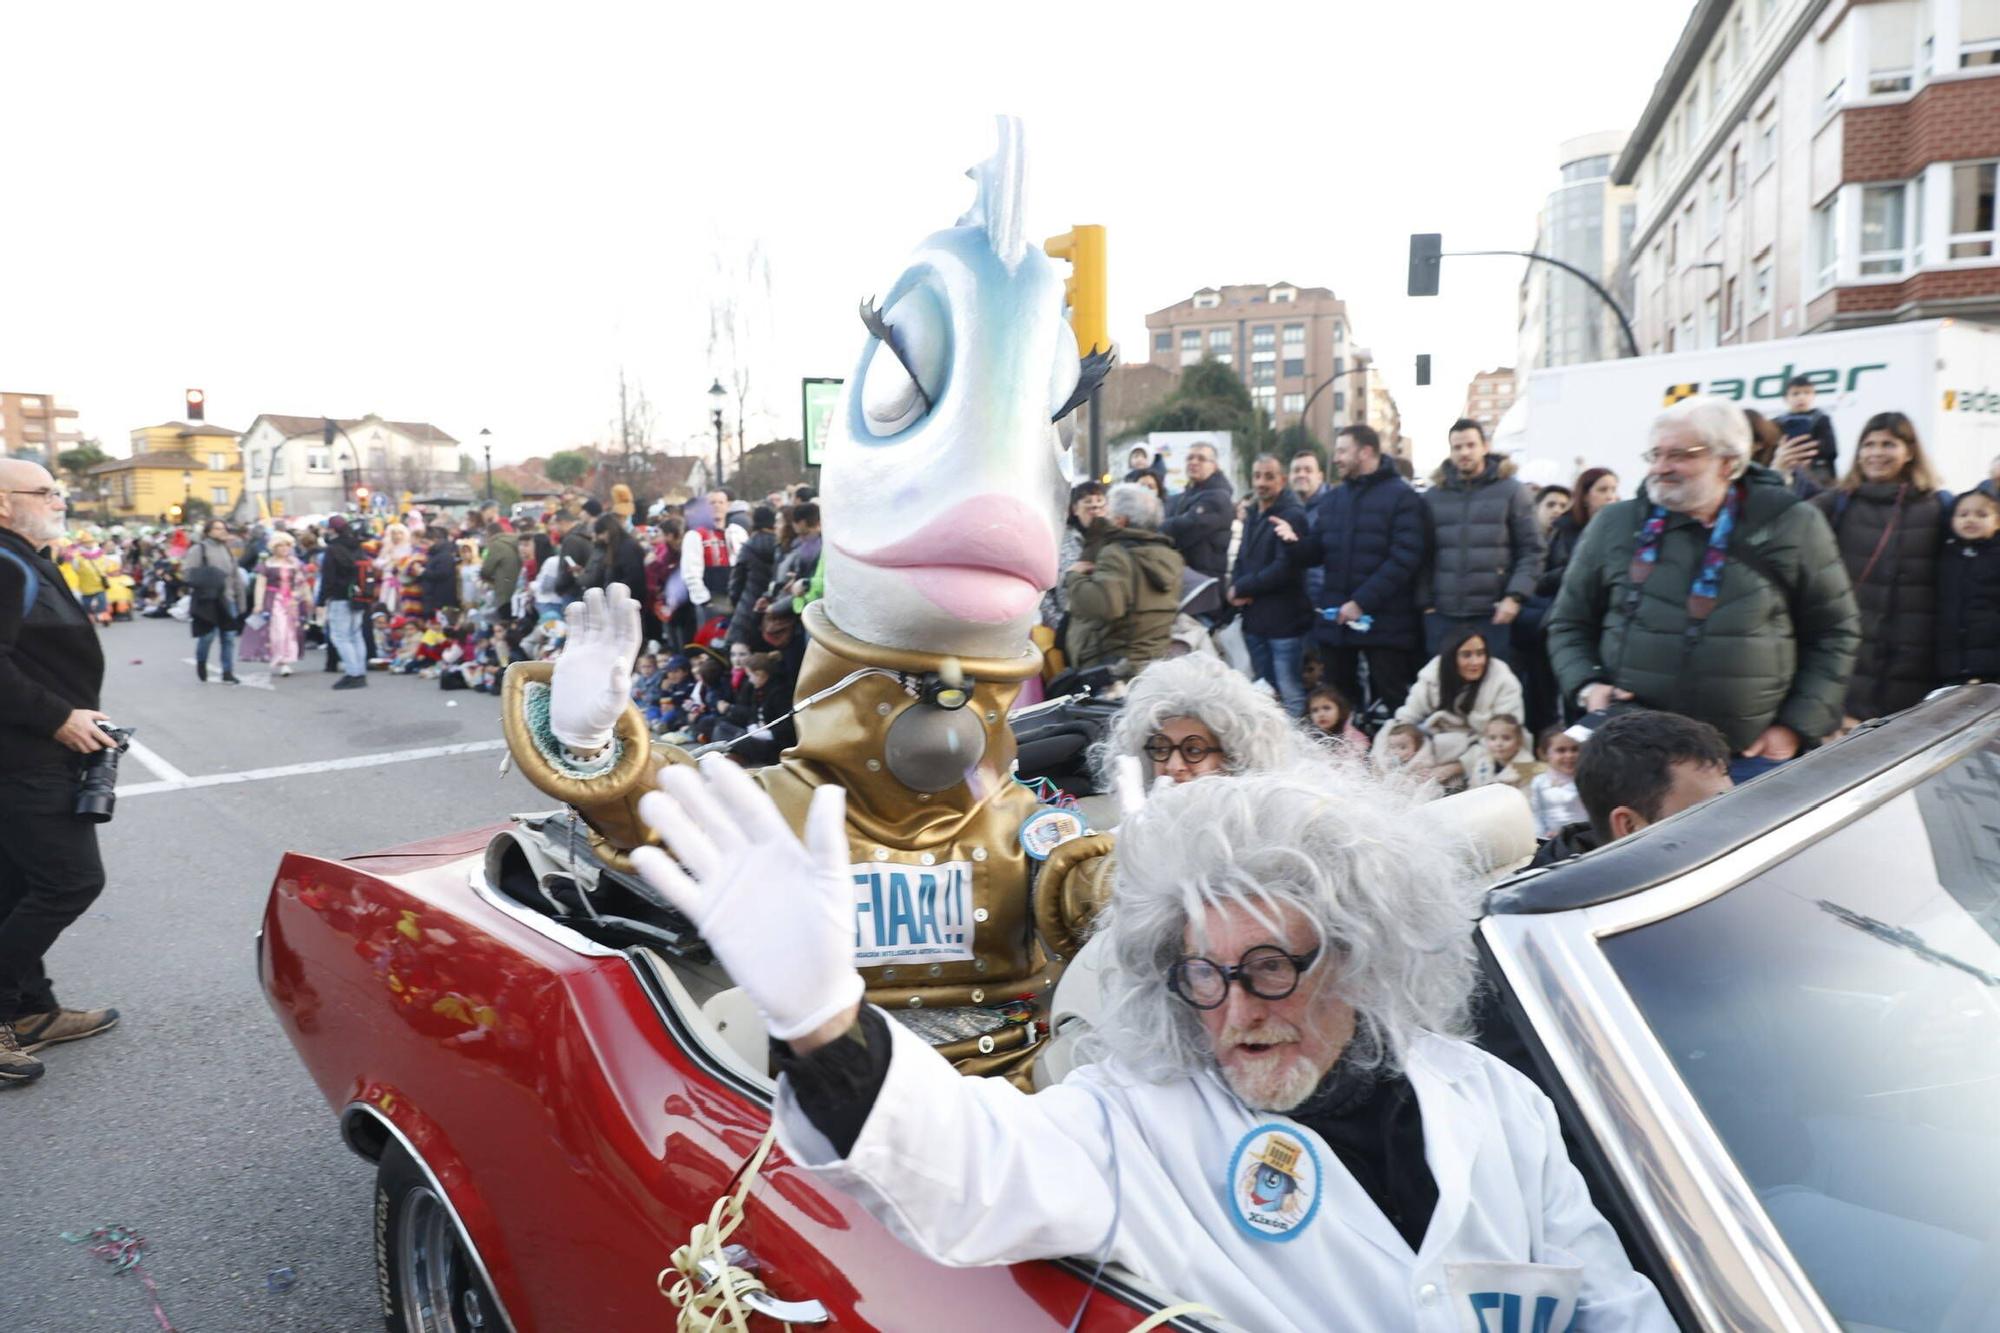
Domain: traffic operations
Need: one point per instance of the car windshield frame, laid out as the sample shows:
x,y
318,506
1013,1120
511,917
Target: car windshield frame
x,y
1642,1123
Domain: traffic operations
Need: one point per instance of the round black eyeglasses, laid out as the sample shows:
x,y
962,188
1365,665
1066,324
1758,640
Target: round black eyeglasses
x,y
1267,972
1191,748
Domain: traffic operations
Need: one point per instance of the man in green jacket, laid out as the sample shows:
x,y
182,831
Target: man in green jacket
x,y
501,569
1715,594
1126,591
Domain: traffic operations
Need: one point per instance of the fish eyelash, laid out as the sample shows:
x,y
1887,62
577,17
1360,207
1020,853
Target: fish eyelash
x,y
871,319
1091,374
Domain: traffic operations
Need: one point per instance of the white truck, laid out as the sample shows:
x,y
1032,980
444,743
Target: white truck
x,y
1943,373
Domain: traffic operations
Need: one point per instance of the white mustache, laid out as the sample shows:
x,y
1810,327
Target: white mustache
x,y
1264,1034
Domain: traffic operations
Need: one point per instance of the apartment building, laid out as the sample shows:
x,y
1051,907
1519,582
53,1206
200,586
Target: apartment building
x,y
1808,165
1285,342
33,423
1488,396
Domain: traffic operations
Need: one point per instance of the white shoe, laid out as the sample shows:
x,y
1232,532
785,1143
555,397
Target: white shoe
x,y
284,668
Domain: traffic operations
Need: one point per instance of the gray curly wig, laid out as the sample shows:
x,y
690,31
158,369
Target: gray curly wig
x,y
1255,731
1390,893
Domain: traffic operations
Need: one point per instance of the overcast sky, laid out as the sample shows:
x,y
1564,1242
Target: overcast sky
x,y
476,214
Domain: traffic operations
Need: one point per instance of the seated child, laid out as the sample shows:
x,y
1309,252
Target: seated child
x,y
407,638
1403,748
646,677
1968,608
1498,757
1552,795
669,709
1332,719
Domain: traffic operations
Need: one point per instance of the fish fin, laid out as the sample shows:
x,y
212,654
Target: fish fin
x,y
998,206
1095,367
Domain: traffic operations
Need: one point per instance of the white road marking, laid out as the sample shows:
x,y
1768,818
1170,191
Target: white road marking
x,y
162,770
262,682
182,782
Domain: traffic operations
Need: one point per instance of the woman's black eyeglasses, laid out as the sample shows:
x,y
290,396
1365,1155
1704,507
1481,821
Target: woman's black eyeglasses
x,y
1267,972
1191,748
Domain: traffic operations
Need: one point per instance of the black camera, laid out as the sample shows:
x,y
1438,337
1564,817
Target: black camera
x,y
97,787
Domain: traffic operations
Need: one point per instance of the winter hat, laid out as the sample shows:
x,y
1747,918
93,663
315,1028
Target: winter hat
x,y
337,523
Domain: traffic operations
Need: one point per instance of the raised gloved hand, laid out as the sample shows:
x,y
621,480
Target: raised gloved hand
x,y
778,913
592,683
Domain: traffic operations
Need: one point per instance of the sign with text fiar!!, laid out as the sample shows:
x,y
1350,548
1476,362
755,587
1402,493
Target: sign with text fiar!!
x,y
906,914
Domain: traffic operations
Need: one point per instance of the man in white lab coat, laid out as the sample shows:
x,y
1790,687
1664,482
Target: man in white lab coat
x,y
1283,1126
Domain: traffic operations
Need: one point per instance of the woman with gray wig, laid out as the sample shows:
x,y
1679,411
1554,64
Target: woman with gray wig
x,y
1194,716
1289,958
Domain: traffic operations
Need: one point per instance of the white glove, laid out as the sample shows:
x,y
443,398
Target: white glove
x,y
777,913
593,678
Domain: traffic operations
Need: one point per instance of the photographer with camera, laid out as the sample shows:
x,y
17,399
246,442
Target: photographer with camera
x,y
57,756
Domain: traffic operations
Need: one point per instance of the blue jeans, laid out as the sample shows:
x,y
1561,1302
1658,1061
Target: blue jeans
x,y
1743,767
202,642
343,626
1281,663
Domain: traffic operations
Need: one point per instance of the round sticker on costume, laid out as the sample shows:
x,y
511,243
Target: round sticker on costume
x,y
1048,829
1273,1184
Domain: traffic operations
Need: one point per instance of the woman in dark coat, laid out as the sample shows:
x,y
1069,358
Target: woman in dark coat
x,y
618,558
1889,520
1595,488
751,576
439,579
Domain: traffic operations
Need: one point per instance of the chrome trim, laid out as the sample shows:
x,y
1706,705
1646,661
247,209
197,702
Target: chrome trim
x,y
533,920
760,1301
437,1187
1735,1268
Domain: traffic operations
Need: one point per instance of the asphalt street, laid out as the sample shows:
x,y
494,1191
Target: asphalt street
x,y
192,1122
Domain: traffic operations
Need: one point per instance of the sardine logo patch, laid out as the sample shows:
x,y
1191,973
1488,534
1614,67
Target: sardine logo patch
x,y
906,914
1273,1184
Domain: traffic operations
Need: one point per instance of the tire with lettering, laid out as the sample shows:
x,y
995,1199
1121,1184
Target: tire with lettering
x,y
425,1275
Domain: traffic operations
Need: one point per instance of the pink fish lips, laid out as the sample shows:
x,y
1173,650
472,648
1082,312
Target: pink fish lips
x,y
985,560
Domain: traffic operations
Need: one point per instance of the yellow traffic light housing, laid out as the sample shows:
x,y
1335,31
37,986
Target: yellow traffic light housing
x,y
1085,291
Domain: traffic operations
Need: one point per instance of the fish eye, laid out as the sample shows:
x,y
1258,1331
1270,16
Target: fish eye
x,y
904,373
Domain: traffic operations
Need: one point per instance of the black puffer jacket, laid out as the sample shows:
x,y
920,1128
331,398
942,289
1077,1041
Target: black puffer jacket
x,y
1486,544
1564,534
748,579
1889,536
1369,539
1969,611
1198,523
1279,608
50,659
1777,648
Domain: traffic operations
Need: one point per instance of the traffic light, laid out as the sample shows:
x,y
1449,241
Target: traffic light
x,y
1423,368
326,430
197,403
1085,291
1426,248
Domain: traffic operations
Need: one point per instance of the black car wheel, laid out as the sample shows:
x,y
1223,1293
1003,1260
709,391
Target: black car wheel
x,y
423,1266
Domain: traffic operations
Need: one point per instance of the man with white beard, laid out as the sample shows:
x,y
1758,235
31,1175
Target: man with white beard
x,y
1284,1124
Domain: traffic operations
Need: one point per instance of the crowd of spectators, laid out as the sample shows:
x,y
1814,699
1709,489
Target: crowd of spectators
x,y
1758,582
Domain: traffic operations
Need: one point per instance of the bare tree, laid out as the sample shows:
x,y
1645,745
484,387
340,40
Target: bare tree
x,y
739,325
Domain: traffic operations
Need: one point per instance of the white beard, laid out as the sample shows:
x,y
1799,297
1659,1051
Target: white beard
x,y
1279,1079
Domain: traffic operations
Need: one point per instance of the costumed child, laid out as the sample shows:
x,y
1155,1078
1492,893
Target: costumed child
x,y
1552,795
1968,616
669,710
1498,757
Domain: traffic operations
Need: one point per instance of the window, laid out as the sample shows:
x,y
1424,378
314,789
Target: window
x,y
1190,340
1833,66
1760,289
1825,243
1674,245
1739,39
1340,365
1294,367
1293,403
1711,212
1284,294
1883,228
217,462
319,460
1265,397
1163,342
1892,45
218,495
1207,300
1295,337
1972,235
1263,336
30,401
1339,401
1730,307
1767,139
257,465
1264,372
1718,77
1978,33
1692,110
1711,321
1735,174
1221,340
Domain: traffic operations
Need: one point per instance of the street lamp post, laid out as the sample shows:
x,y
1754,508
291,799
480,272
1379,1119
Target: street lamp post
x,y
486,443
717,396
187,494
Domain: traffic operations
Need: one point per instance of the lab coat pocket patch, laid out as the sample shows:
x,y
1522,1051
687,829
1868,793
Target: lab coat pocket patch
x,y
1273,1184
1514,1298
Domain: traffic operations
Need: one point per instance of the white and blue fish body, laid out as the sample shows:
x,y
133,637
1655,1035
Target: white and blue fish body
x,y
946,475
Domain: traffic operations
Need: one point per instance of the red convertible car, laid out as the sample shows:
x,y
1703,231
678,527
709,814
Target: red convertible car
x,y
1771,1025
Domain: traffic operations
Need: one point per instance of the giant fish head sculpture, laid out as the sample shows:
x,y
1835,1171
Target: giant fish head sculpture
x,y
947,475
